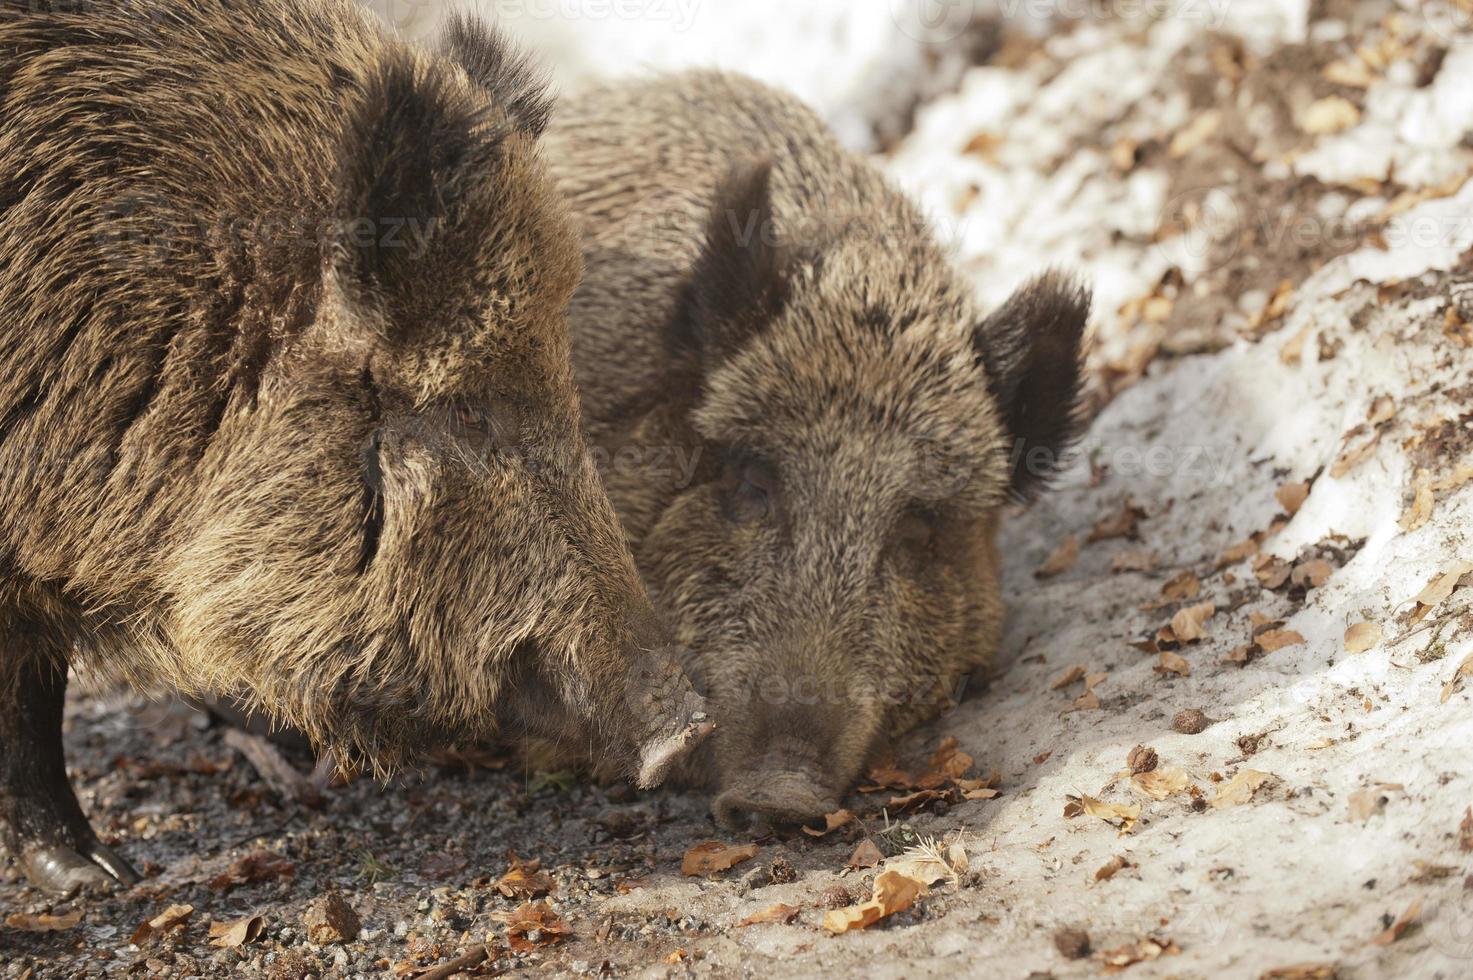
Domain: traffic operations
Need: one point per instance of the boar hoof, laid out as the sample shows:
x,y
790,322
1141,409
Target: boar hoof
x,y
62,871
664,750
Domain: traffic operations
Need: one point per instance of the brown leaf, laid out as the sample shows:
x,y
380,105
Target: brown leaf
x,y
1172,663
1354,456
1443,585
1400,926
1312,573
1465,669
1241,551
893,892
1122,524
866,855
1062,559
1366,803
1272,572
256,867
779,914
1182,587
232,935
1362,637
832,822
1278,639
1187,623
714,856
1197,132
524,880
42,922
1291,496
1161,783
1070,676
1133,561
173,917
946,764
1465,831
1422,501
1111,868
1143,951
534,924
1117,814
1302,971
1242,788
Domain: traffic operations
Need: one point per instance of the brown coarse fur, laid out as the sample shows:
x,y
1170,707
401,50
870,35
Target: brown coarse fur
x,y
759,300
286,404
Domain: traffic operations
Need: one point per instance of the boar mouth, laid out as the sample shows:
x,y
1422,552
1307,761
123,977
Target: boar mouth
x,y
767,798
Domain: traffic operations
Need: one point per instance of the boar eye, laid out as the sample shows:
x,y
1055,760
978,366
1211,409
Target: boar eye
x,y
474,421
752,486
916,531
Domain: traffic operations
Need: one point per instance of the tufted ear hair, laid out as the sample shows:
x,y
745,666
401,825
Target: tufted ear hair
x,y
414,167
494,63
1031,349
740,281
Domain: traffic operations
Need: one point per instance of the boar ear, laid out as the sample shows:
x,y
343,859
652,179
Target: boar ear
x,y
414,185
1031,350
493,62
740,282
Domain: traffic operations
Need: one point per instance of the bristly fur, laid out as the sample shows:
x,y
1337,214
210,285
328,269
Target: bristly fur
x,y
488,58
1031,347
851,427
286,405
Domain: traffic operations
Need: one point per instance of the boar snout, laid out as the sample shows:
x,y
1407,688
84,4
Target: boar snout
x,y
773,796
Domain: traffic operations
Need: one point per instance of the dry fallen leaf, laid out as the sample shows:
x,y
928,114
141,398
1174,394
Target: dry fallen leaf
x,y
1396,929
256,867
714,856
1422,501
1328,116
1443,585
1362,637
1070,676
1133,561
232,935
1354,456
1241,551
1312,573
1120,815
1242,787
1291,496
1062,559
534,924
1173,663
893,892
1160,783
1457,478
866,855
1350,72
1272,572
1302,971
772,914
1366,803
1187,623
1180,588
525,880
1465,669
1273,640
1122,524
173,917
1143,951
42,922
832,822
1111,868
1465,831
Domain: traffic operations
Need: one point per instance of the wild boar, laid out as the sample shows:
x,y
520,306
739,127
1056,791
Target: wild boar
x,y
759,299
287,409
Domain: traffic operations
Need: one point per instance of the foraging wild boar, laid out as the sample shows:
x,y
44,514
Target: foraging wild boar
x,y
286,403
760,301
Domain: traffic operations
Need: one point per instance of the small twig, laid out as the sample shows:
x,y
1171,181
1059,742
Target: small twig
x,y
272,766
473,957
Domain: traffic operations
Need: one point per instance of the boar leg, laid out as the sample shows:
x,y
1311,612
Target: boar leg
x,y
43,824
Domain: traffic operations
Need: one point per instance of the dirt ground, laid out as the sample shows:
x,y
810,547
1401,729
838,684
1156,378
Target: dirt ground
x,y
1257,569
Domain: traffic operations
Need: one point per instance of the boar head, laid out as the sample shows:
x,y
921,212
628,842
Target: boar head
x,y
861,427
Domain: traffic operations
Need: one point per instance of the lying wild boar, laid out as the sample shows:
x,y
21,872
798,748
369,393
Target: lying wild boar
x,y
760,301
286,402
